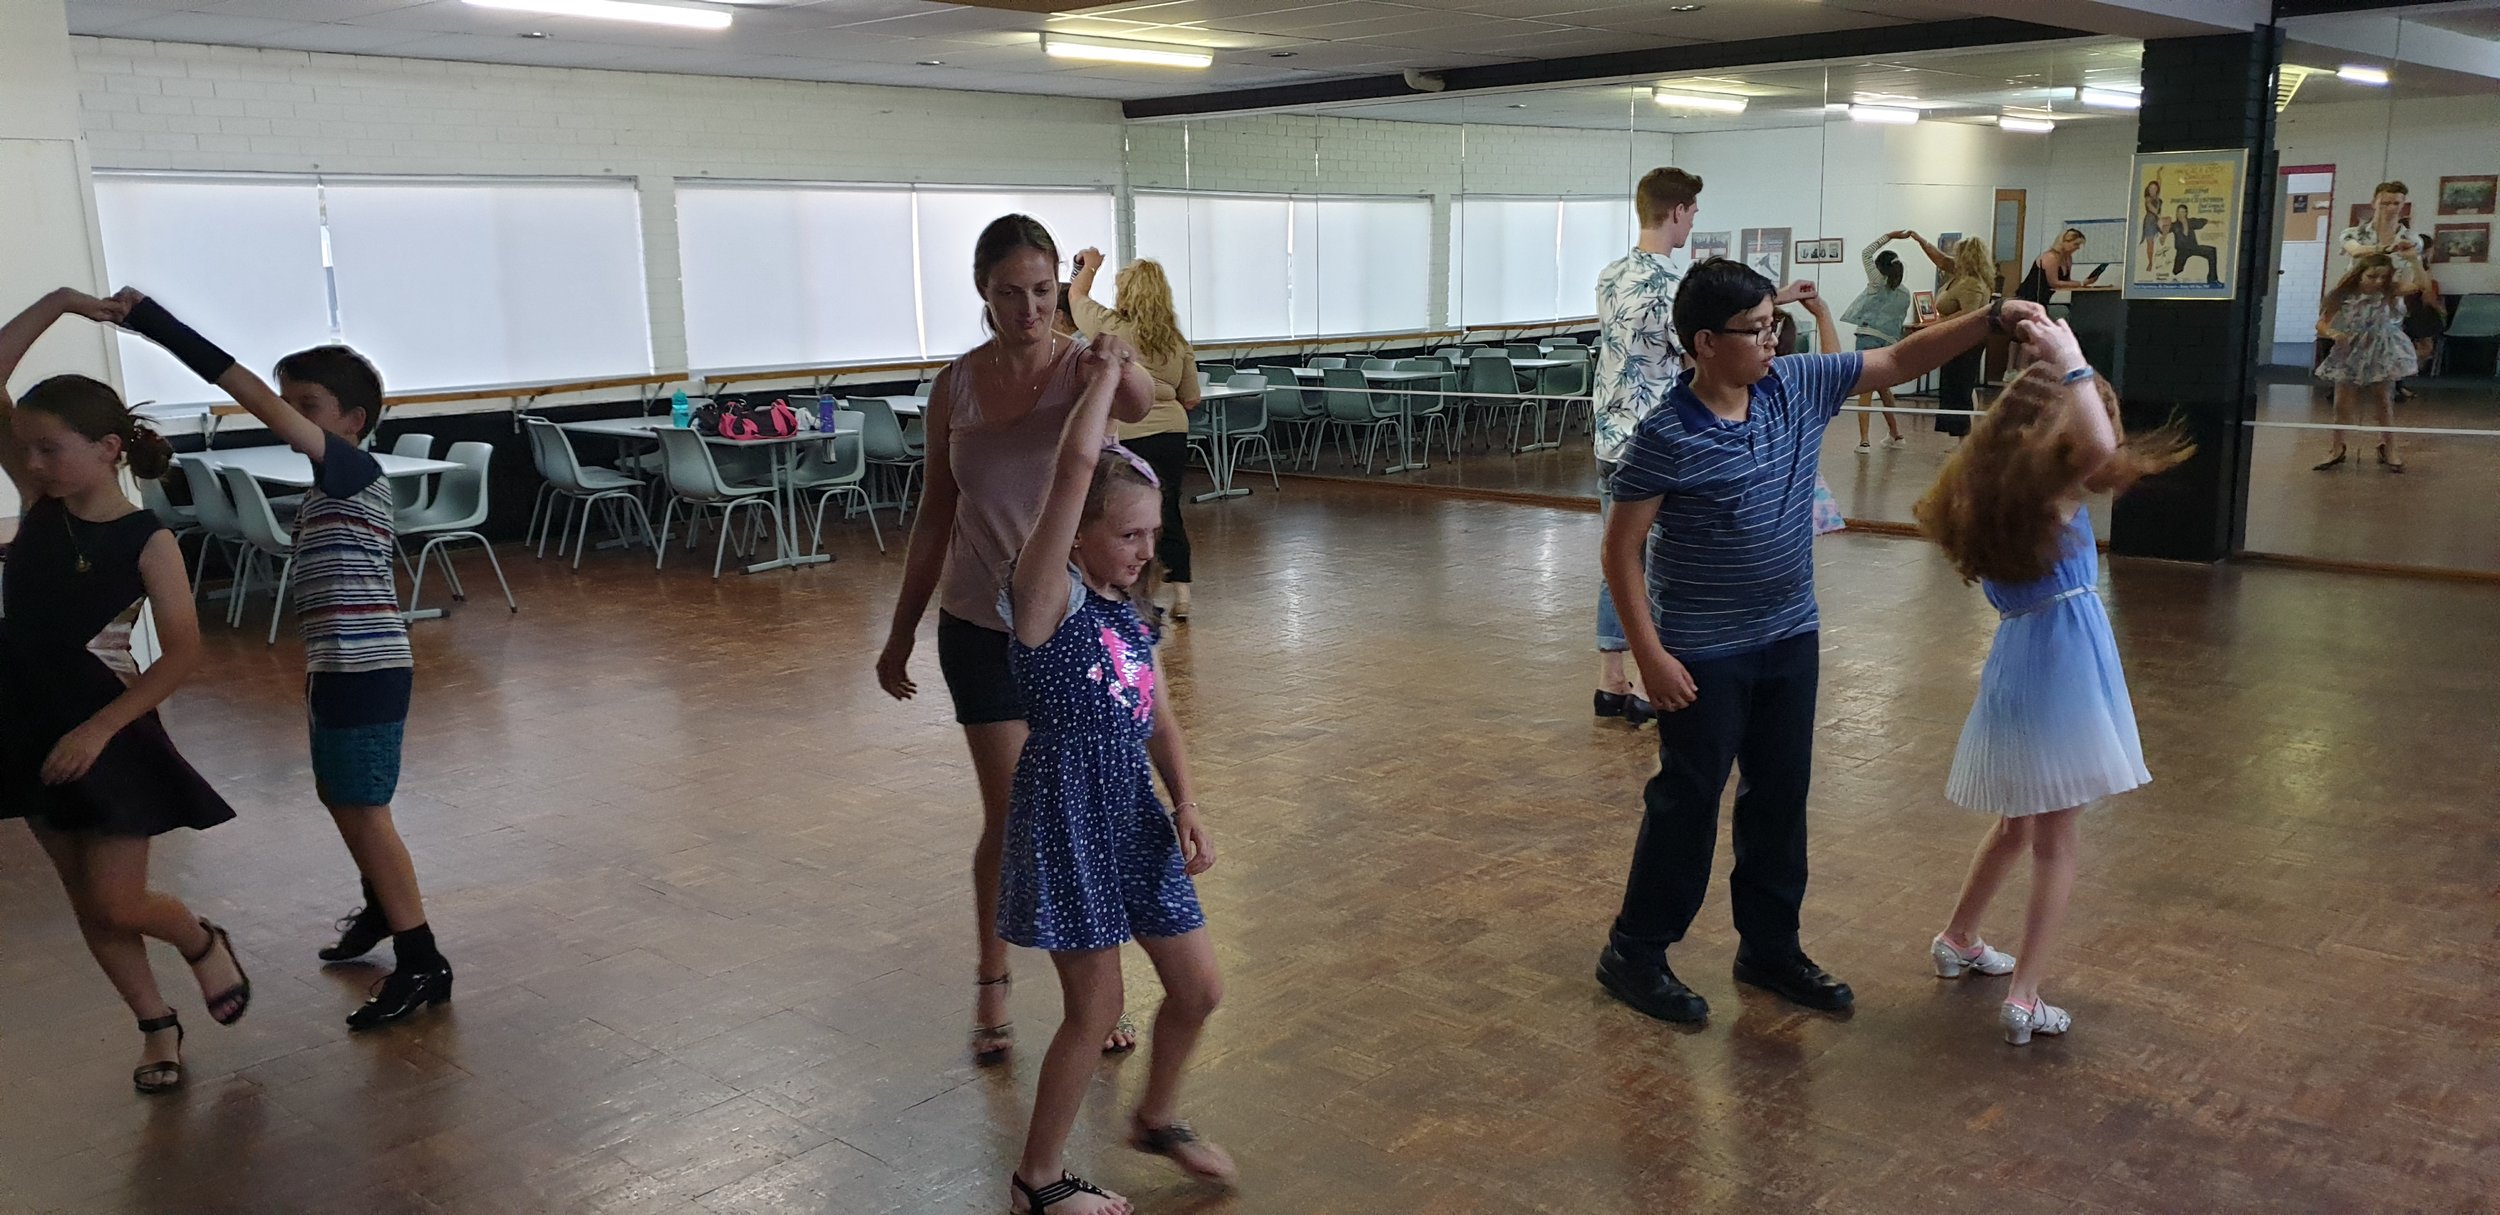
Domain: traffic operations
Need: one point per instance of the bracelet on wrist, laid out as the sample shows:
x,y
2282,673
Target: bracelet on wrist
x,y
2078,375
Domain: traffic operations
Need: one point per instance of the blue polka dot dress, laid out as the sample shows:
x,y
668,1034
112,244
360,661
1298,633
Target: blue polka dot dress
x,y
1091,857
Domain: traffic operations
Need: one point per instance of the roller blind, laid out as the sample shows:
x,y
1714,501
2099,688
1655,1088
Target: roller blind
x,y
239,259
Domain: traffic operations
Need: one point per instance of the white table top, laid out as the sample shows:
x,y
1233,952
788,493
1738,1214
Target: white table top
x,y
1226,392
1523,364
287,466
641,428
1313,373
904,407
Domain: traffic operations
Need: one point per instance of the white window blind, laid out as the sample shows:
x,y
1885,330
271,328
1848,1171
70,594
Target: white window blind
x,y
241,260
1258,266
446,284
775,276
952,219
1535,259
1595,231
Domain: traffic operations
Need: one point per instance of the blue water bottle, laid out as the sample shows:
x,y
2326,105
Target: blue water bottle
x,y
680,413
824,414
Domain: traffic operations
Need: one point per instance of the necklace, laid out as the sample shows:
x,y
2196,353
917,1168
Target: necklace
x,y
69,524
1049,360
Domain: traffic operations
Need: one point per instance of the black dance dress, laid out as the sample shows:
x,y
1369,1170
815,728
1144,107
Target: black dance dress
x,y
64,653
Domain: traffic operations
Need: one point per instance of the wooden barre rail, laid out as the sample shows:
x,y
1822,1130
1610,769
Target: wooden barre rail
x,y
523,395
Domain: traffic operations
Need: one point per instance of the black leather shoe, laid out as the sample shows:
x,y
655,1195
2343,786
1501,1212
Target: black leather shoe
x,y
400,995
1625,705
1611,704
1639,713
1797,979
358,934
1651,990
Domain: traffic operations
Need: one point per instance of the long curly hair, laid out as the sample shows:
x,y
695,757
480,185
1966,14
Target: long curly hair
x,y
2350,285
1994,507
1970,260
1145,302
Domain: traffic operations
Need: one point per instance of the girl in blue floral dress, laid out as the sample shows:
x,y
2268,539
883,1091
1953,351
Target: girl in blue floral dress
x,y
1092,858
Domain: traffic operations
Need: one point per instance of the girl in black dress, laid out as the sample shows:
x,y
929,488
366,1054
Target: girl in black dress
x,y
83,758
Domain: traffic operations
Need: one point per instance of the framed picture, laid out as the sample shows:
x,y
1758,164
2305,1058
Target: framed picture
x,y
1707,245
2468,195
2461,243
1821,251
1923,307
2361,215
2187,224
1766,251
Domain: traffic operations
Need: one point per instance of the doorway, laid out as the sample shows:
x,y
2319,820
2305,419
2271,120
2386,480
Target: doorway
x,y
2304,209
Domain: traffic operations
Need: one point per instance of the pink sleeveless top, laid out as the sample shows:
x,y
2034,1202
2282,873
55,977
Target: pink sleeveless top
x,y
1001,473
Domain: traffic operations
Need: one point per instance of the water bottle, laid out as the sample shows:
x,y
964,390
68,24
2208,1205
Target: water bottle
x,y
824,414
680,412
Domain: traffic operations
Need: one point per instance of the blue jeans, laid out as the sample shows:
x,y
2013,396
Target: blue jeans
x,y
1610,638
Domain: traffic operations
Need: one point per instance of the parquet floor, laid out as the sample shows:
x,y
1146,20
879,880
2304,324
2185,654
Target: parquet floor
x,y
705,889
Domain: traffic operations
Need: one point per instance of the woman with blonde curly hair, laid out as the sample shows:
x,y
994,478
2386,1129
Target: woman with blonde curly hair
x,y
2052,729
1970,279
1143,314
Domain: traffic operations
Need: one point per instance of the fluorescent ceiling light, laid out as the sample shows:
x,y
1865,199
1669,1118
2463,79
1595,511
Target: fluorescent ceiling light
x,y
2028,126
616,10
1058,47
1716,103
2110,99
1882,113
2362,73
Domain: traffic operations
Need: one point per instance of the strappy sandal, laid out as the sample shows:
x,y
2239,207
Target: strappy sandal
x,y
1042,1199
990,1043
1126,1028
1176,1142
160,1076
228,1006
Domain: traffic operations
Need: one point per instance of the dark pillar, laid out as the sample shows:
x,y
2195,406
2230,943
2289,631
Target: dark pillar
x,y
2197,359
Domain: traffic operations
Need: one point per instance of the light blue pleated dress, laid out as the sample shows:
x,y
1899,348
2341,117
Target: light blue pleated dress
x,y
2052,728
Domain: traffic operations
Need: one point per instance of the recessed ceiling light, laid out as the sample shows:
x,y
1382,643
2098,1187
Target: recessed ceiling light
x,y
1150,54
1684,8
617,10
1280,54
2110,99
2026,126
1519,105
932,63
1882,113
1716,103
2362,73
535,34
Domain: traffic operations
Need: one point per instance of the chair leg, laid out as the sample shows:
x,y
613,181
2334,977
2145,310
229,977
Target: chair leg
x,y
581,538
277,604
538,505
643,517
659,551
418,588
491,562
240,587
451,573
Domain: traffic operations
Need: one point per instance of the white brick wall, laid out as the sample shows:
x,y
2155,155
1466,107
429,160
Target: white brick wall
x,y
1284,153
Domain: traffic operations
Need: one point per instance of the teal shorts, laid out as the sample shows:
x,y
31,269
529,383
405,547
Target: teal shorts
x,y
357,721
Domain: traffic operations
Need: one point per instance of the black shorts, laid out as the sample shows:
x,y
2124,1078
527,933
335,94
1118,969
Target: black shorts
x,y
974,661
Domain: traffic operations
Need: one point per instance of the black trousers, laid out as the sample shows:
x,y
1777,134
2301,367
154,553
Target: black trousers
x,y
1957,382
1168,455
1755,711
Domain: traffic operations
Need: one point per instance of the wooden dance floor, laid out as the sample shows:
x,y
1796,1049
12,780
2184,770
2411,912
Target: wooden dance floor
x,y
706,891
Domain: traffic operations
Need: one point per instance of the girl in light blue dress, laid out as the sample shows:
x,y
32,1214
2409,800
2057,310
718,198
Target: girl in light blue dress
x,y
2052,730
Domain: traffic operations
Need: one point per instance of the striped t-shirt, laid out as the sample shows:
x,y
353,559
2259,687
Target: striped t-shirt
x,y
1731,558
346,547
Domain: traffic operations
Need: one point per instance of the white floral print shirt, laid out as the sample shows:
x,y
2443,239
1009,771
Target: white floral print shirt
x,y
1637,358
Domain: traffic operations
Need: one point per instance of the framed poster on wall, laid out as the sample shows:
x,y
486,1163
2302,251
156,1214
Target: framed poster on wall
x,y
2190,215
1706,245
1766,251
1822,251
2461,243
2467,195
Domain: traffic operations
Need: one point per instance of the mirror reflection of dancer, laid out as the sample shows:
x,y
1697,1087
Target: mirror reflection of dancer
x,y
2052,729
1878,314
84,758
2363,314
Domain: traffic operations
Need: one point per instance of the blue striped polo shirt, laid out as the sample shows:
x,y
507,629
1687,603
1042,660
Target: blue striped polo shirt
x,y
1731,558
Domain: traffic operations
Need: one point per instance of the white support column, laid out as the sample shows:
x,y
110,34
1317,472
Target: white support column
x,y
663,289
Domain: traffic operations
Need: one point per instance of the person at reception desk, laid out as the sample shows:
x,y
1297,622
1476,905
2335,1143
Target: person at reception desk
x,y
2054,270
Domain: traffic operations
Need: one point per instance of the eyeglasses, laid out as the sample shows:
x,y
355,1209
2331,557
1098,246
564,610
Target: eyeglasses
x,y
1767,335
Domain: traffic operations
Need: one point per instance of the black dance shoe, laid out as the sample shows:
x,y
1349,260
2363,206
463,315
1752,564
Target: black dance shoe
x,y
1632,709
1650,990
401,994
1797,979
363,929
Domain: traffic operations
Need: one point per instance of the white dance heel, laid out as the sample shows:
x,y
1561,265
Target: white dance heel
x,y
2043,1018
1951,962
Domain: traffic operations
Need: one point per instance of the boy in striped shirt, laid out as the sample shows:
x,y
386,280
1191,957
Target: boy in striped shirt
x,y
359,668
1709,557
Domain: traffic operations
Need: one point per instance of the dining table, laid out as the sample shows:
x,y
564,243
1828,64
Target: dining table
x,y
1219,435
784,450
288,468
1406,407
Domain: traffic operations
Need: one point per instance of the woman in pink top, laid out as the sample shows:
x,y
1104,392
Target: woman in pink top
x,y
993,420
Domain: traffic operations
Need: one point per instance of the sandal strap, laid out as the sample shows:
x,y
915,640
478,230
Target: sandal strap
x,y
1166,1139
1068,1186
1000,981
154,1025
215,935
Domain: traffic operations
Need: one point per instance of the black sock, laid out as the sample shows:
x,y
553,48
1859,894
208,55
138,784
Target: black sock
x,y
415,949
373,902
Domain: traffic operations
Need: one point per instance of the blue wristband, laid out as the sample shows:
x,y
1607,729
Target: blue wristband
x,y
2078,375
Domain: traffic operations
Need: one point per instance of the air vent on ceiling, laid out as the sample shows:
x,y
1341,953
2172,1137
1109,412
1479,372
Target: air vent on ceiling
x,y
2287,81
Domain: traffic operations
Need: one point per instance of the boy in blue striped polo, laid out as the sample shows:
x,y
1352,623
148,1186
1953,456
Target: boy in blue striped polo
x,y
1709,557
359,668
